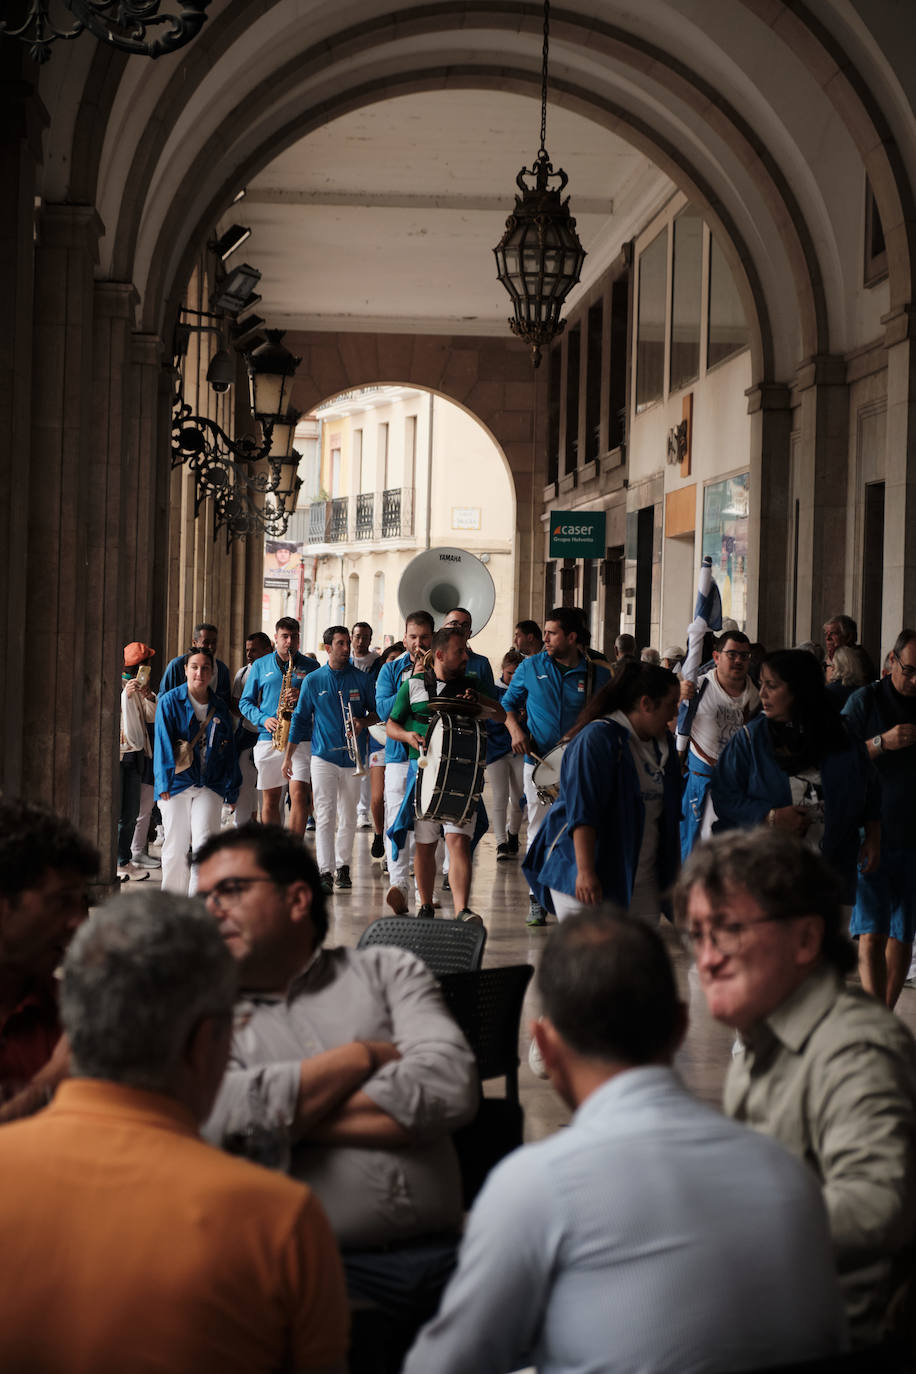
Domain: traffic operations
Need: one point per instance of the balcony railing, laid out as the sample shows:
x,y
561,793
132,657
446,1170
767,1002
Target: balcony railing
x,y
318,522
365,515
340,510
368,516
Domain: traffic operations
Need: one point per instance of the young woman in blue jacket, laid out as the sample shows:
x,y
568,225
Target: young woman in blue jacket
x,y
612,835
797,767
191,801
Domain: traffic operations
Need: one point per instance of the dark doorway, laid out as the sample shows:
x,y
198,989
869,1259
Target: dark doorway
x,y
644,539
873,572
613,590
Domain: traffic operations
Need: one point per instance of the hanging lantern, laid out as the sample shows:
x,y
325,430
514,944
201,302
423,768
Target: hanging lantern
x,y
539,258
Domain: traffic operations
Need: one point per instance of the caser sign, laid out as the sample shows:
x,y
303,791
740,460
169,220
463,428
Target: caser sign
x,y
577,534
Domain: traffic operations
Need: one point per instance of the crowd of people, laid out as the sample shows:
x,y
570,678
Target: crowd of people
x,y
763,809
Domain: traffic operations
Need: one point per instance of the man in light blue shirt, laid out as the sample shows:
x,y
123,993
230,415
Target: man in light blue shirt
x,y
261,704
206,637
329,693
651,1235
478,666
546,695
418,636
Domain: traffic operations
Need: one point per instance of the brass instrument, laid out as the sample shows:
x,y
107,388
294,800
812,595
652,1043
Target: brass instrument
x,y
285,707
352,739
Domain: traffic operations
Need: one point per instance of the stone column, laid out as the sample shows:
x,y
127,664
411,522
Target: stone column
x,y
899,592
822,460
58,552
141,477
769,584
22,118
111,562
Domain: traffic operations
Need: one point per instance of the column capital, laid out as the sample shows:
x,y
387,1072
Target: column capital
x,y
824,369
146,350
899,325
70,226
116,299
768,396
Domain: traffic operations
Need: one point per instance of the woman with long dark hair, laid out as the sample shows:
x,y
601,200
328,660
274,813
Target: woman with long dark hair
x,y
798,768
612,835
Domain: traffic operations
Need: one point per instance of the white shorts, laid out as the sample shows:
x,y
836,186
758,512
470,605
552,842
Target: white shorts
x,y
269,763
377,759
427,832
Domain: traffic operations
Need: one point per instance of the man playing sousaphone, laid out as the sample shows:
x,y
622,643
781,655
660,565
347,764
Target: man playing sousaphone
x,y
409,721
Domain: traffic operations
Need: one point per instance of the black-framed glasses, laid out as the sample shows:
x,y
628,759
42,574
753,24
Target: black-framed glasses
x,y
727,937
907,669
737,655
228,891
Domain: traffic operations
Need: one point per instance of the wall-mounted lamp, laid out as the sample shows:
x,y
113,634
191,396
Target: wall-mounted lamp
x,y
124,28
227,243
236,292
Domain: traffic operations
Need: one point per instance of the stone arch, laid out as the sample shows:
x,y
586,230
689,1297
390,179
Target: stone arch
x,y
490,379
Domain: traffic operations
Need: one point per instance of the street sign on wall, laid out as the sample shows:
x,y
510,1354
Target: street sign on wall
x,y
577,534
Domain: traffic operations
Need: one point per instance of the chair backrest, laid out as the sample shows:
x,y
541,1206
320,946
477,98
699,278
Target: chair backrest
x,y
487,1005
445,946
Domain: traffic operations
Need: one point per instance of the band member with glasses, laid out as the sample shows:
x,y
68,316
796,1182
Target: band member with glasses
x,y
822,1068
883,714
612,833
721,702
798,768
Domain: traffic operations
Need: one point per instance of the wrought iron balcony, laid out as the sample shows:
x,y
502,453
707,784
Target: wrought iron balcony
x,y
365,515
318,522
339,513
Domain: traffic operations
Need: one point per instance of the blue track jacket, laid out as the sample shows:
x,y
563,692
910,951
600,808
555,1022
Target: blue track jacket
x,y
175,720
318,715
261,696
599,786
552,698
387,685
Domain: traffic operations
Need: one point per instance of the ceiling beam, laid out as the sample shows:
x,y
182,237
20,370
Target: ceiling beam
x,y
259,195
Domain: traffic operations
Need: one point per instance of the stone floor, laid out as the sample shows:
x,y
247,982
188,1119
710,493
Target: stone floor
x,y
500,895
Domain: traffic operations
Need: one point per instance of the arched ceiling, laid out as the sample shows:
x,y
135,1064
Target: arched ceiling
x,y
754,108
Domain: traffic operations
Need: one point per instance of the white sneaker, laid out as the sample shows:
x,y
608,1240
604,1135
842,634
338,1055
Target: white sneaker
x,y
436,901
145,861
135,873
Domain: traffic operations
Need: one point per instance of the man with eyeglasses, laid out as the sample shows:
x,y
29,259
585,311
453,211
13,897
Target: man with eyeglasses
x,y
823,1068
351,1061
652,1233
883,714
725,699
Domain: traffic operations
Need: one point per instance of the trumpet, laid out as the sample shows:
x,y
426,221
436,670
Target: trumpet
x,y
285,707
352,739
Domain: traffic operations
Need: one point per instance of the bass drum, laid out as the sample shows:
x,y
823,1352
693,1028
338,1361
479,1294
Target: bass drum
x,y
450,784
546,775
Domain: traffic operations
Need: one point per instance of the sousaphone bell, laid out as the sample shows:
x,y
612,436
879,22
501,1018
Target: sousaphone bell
x,y
438,580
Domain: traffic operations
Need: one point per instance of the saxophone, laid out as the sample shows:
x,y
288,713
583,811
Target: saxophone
x,y
285,707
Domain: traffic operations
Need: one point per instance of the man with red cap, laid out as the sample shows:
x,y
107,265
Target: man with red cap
x,y
138,708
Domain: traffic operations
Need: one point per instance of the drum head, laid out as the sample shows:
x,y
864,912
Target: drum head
x,y
547,772
429,774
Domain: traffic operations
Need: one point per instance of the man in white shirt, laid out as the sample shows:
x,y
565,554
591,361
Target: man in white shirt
x,y
720,703
652,1233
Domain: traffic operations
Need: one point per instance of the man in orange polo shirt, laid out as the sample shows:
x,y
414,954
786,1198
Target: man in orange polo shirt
x,y
132,1244
45,869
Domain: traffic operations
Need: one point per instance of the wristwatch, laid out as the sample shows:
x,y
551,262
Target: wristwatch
x,y
878,742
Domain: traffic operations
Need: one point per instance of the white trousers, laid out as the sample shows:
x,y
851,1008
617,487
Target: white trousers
x,y
506,777
336,793
188,818
395,787
141,829
363,810
248,792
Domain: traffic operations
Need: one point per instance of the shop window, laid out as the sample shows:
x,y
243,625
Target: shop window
x,y
617,388
573,358
553,413
650,325
728,332
593,373
686,293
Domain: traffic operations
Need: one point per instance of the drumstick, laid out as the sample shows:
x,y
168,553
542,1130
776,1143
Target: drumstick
x,y
422,760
